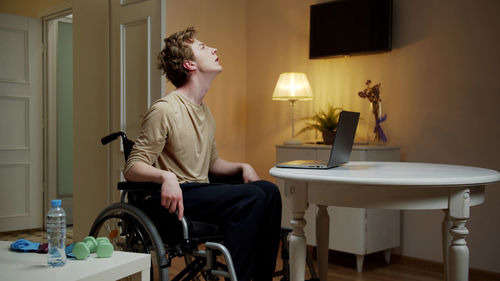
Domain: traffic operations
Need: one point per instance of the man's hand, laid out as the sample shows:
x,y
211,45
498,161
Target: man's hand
x,y
171,194
249,173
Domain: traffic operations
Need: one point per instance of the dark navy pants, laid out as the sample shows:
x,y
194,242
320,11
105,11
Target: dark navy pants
x,y
249,213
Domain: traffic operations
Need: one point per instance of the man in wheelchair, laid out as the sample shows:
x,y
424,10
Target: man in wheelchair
x,y
176,148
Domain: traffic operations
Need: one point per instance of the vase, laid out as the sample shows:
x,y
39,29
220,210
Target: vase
x,y
328,136
376,133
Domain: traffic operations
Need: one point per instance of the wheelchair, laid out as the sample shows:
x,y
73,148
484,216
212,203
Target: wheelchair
x,y
133,225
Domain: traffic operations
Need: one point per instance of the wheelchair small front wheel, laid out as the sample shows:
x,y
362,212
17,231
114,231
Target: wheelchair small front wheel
x,y
130,230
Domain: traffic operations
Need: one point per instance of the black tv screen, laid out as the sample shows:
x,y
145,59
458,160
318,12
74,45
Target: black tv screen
x,y
347,27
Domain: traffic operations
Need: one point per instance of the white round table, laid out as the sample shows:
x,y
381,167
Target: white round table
x,y
386,185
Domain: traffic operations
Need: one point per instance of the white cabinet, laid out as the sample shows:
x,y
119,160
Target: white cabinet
x,y
356,231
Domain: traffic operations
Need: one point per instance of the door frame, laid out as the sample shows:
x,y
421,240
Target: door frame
x,y
50,116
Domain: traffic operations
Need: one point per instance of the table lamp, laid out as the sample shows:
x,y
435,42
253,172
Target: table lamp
x,y
292,86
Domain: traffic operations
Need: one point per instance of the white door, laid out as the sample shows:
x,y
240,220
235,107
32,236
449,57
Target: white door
x,y
21,187
137,29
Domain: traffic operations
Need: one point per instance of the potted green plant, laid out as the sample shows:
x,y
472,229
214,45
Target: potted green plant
x,y
326,122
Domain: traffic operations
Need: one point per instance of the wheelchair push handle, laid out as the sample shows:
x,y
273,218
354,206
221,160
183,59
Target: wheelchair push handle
x,y
127,144
111,137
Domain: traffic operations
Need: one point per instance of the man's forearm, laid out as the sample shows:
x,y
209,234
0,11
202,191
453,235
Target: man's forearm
x,y
225,168
142,172
171,193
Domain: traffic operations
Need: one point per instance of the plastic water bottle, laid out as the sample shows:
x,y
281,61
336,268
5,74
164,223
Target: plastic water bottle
x,y
56,235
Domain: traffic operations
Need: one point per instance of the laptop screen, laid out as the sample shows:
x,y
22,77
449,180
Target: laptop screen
x,y
344,138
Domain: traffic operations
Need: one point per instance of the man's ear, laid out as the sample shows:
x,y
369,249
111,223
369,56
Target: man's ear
x,y
189,65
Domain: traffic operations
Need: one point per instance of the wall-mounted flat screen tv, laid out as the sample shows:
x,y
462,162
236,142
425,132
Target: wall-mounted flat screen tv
x,y
348,27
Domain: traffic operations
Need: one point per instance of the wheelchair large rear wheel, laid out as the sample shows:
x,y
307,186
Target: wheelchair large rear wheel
x,y
130,230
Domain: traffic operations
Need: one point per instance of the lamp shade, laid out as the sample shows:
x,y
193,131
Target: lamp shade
x,y
292,86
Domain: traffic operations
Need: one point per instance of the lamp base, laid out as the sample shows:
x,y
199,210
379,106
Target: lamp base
x,y
293,142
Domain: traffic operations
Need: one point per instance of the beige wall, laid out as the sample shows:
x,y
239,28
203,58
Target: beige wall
x,y
90,112
439,89
220,24
29,8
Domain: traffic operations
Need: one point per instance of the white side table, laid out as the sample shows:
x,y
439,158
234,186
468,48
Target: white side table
x,y
357,231
33,266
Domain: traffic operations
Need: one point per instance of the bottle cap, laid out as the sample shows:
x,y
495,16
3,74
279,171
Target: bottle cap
x,y
56,203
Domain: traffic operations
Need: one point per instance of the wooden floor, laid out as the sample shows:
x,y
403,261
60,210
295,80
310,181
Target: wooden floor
x,y
342,267
34,235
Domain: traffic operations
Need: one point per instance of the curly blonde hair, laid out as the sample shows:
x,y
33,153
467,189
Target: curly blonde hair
x,y
175,51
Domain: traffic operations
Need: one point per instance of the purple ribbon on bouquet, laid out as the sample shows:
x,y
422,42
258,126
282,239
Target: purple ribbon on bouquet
x,y
378,129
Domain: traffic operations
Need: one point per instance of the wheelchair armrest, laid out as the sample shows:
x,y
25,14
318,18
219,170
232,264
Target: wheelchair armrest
x,y
139,186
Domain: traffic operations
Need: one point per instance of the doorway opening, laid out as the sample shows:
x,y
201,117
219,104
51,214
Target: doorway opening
x,y
58,110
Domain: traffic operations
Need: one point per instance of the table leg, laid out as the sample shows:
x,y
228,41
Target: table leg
x,y
445,231
298,238
145,275
387,256
322,235
459,205
360,259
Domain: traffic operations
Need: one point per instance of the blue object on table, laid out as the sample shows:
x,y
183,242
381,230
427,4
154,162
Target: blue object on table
x,y
69,251
23,245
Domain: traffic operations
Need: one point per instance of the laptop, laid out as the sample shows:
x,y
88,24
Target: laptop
x,y
341,147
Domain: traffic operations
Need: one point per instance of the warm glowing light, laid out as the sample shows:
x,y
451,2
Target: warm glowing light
x,y
292,86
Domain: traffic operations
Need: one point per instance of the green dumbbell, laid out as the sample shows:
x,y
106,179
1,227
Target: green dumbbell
x,y
104,248
81,250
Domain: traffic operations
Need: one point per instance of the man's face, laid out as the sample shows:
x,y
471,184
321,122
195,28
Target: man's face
x,y
205,57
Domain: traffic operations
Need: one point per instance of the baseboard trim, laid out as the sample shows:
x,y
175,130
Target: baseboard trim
x,y
474,273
